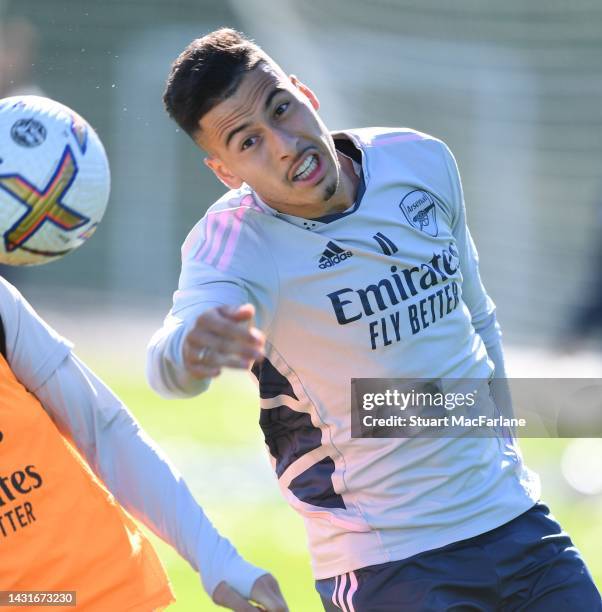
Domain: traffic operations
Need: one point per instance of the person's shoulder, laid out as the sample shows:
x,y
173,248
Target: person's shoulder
x,y
10,298
214,237
8,291
386,136
34,348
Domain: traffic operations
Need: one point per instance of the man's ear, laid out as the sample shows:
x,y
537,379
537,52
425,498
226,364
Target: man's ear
x,y
222,172
306,91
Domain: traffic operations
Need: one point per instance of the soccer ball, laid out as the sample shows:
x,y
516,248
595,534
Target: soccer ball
x,y
54,180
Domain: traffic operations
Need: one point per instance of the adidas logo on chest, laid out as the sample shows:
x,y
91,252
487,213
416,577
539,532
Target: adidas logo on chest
x,y
332,255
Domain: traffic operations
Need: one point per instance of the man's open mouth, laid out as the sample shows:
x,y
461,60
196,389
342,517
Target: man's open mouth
x,y
308,166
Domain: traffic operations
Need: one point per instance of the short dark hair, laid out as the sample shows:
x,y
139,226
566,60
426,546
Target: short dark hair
x,y
207,72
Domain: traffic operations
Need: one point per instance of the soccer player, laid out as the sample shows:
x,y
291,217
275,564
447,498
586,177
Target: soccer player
x,y
340,256
64,437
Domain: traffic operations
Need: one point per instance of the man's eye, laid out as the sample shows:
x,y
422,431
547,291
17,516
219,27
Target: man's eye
x,y
281,109
248,142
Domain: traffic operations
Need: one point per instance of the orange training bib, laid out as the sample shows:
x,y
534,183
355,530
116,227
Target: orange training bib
x,y
60,529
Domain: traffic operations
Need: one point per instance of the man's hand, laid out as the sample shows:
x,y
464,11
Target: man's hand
x,y
223,337
265,595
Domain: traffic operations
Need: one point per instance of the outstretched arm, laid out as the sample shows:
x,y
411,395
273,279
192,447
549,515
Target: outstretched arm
x,y
184,356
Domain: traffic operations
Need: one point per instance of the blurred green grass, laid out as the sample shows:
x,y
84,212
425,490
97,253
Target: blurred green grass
x,y
264,529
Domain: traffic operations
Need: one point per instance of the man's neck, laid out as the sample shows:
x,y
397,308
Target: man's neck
x,y
349,183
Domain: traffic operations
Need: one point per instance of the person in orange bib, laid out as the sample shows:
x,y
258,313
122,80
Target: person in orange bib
x,y
73,460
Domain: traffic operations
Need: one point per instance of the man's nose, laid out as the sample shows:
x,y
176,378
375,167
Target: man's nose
x,y
285,143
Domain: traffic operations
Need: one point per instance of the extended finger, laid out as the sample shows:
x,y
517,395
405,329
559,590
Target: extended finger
x,y
208,350
209,363
217,323
245,312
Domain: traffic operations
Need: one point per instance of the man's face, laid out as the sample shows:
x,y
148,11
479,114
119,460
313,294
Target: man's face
x,y
268,135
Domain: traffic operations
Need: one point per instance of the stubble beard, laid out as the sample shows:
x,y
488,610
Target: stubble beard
x,y
330,190
333,187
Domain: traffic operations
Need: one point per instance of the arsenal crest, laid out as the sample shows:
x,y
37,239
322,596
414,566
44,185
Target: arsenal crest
x,y
420,209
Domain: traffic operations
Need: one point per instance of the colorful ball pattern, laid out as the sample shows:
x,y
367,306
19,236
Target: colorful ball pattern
x,y
54,180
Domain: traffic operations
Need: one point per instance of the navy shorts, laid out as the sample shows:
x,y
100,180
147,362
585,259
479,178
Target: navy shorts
x,y
528,564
